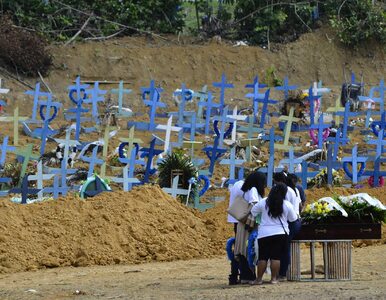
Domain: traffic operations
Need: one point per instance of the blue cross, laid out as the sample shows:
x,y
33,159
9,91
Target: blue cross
x,y
251,130
381,91
202,96
320,127
60,187
214,153
272,138
304,174
121,92
376,126
153,108
255,95
149,153
151,90
346,115
291,161
78,88
174,191
4,148
330,164
209,104
312,98
354,160
36,94
181,110
47,119
337,140
92,160
380,143
24,190
232,161
192,125
224,118
128,171
223,85
94,96
264,110
286,88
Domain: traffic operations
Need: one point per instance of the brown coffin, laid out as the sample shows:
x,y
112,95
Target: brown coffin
x,y
348,231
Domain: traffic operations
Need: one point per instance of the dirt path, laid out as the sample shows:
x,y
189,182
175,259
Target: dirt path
x,y
194,279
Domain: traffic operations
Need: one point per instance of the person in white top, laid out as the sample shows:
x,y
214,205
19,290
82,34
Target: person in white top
x,y
273,230
252,191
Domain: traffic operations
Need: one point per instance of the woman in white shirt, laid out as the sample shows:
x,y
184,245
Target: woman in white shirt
x,y
251,190
273,230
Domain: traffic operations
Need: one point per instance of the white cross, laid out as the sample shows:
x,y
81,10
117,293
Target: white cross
x,y
317,91
235,117
169,128
174,190
39,177
125,179
67,144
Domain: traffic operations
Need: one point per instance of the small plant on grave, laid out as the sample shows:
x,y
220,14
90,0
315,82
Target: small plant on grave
x,y
113,160
11,170
176,163
271,78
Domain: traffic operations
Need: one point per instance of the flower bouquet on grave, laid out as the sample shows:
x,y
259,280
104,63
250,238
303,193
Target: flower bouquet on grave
x,y
320,180
362,208
325,210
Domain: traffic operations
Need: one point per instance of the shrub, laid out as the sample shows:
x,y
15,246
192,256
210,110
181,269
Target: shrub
x,y
23,51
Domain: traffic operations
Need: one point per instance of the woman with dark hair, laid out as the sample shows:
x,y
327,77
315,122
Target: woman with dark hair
x,y
294,227
273,230
251,190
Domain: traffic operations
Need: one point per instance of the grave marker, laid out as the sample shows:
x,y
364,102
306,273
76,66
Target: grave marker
x,y
149,153
209,104
232,161
291,161
3,149
37,94
94,96
131,140
323,132
214,153
271,161
174,191
330,164
67,144
168,128
40,177
235,117
346,115
286,88
24,190
337,108
202,96
287,131
15,119
192,145
222,86
354,161
224,118
304,174
121,92
92,160
27,156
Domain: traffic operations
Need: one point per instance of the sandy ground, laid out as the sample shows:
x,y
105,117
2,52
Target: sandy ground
x,y
193,279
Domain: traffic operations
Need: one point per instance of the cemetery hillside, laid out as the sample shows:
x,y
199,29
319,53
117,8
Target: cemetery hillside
x,y
122,139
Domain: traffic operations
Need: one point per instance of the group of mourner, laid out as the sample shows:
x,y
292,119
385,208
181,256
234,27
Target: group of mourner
x,y
276,219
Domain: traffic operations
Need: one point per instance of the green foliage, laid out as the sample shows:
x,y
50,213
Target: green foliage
x,y
57,20
358,21
361,211
271,79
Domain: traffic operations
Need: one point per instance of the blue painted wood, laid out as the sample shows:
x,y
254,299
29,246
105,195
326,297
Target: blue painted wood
x,y
213,153
148,92
192,126
311,99
271,161
337,141
209,105
291,161
3,149
347,114
48,104
24,190
37,94
154,104
174,191
222,86
320,127
232,161
354,161
60,186
92,160
286,88
150,153
255,96
305,174
330,164
201,96
94,96
224,119
121,91
376,126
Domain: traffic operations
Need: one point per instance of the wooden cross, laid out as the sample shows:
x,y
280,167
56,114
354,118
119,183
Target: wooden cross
x,y
92,160
126,179
337,141
149,153
287,131
154,103
291,161
232,162
131,168
105,149
209,104
286,88
354,160
174,191
312,98
222,86
39,177
37,94
251,129
331,164
192,145
67,144
248,143
151,90
235,117
255,95
202,96
335,109
224,118
214,153
346,115
94,96
131,140
168,128
27,156
305,174
15,119
192,125
60,187
121,92
4,148
321,127
24,190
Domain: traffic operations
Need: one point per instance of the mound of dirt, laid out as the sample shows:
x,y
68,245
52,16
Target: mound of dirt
x,y
112,228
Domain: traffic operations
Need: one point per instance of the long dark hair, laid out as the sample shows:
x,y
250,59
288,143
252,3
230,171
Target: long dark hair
x,y
291,182
275,200
257,180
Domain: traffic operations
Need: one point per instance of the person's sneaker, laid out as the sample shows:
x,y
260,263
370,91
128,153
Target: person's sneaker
x,y
233,280
243,281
